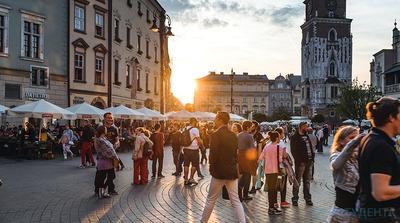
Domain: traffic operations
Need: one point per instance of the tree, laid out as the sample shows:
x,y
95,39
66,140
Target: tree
x,y
281,113
174,104
318,118
354,98
259,117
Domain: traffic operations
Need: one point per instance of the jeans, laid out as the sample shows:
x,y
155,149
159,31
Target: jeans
x,y
272,180
284,189
303,171
244,185
215,191
176,152
160,160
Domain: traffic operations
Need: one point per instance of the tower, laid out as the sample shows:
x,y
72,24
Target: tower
x,y
326,55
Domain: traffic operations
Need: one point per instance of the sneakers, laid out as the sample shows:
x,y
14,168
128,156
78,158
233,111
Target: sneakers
x,y
192,182
295,203
113,193
201,176
102,194
160,176
82,166
285,204
153,177
309,203
252,191
274,211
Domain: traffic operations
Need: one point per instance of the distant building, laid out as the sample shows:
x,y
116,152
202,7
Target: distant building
x,y
280,95
295,84
385,68
250,93
327,55
33,51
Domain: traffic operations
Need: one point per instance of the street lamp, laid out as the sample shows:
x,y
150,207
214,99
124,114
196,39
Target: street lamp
x,y
165,32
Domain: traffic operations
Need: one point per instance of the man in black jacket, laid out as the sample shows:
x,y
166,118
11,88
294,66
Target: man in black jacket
x,y
303,154
223,167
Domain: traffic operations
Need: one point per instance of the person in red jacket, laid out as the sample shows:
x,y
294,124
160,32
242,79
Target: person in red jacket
x,y
158,151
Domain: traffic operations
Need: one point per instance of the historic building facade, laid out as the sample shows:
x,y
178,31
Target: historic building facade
x,y
385,68
326,55
280,95
250,93
33,52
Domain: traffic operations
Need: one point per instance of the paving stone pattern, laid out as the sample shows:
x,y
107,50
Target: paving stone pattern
x,y
58,191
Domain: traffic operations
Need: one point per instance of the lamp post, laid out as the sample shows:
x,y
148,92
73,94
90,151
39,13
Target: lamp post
x,y
165,32
231,78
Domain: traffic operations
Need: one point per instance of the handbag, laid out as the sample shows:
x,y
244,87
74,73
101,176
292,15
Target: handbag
x,y
281,172
116,164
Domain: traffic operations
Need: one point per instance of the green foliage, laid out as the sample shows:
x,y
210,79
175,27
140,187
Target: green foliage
x,y
354,98
281,114
318,118
259,117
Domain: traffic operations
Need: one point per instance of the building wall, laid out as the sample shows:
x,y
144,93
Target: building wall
x,y
132,94
86,43
16,69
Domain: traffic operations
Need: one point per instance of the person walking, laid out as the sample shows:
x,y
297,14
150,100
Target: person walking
x,y
158,151
105,168
380,164
223,168
247,159
67,140
112,134
320,139
258,138
272,156
87,144
344,164
288,159
175,138
303,154
191,152
140,157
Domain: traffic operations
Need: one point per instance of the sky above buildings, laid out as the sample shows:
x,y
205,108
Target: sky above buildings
x,y
261,37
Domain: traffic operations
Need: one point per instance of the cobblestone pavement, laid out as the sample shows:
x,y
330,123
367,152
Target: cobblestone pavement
x,y
58,191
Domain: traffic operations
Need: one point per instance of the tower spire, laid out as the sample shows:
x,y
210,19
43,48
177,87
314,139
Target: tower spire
x,y
395,23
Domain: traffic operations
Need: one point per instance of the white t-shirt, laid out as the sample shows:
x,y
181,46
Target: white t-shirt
x,y
194,133
282,145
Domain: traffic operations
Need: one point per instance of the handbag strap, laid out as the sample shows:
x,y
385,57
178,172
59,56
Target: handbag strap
x,y
277,156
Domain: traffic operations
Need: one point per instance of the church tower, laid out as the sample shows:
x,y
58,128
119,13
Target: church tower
x,y
326,55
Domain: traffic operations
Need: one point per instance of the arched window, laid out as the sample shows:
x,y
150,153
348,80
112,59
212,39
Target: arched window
x,y
332,35
332,69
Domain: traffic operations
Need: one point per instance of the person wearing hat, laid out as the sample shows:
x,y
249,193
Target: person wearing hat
x,y
303,153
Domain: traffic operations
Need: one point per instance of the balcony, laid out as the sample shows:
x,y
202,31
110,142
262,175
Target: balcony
x,y
394,88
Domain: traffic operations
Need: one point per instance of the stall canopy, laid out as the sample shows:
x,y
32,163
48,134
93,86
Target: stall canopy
x,y
204,116
43,109
182,115
3,109
154,115
126,113
236,118
86,111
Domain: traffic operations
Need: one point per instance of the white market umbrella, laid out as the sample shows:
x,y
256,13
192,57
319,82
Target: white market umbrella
x,y
236,118
182,115
43,109
154,115
349,122
204,116
3,109
126,113
86,111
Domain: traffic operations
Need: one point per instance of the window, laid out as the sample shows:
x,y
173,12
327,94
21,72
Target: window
x,y
308,93
148,16
147,83
155,86
39,76
147,49
32,46
255,99
128,76
244,100
138,81
139,7
116,30
99,24
334,92
332,69
116,72
79,21
79,64
3,34
332,35
155,55
138,45
12,91
99,67
129,3
128,38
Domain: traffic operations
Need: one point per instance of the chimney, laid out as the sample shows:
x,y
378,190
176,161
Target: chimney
x,y
221,73
245,73
212,72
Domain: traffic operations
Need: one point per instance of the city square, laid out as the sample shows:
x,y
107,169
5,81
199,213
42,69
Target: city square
x,y
199,111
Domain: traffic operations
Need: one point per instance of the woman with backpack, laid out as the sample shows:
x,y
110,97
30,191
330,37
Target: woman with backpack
x,y
140,156
272,155
344,163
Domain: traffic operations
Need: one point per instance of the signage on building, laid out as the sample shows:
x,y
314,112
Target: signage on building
x,y
78,100
35,94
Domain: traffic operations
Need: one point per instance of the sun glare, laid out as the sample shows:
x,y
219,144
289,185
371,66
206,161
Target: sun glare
x,y
183,88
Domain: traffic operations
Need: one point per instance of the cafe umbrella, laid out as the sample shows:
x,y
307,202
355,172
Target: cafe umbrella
x,y
123,112
86,111
154,115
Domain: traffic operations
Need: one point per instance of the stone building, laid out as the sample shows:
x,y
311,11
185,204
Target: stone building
x,y
295,84
136,53
250,93
33,52
385,68
89,52
280,95
326,55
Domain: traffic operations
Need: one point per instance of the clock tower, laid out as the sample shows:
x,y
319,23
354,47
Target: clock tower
x,y
326,55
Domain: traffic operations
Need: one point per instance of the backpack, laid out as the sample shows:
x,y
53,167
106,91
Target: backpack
x,y
185,138
147,150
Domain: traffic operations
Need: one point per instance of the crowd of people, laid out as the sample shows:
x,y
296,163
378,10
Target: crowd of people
x,y
242,160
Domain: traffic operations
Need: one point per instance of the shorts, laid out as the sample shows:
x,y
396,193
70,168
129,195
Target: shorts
x,y
191,156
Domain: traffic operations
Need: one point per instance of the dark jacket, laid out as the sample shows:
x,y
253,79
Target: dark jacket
x,y
223,154
298,148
